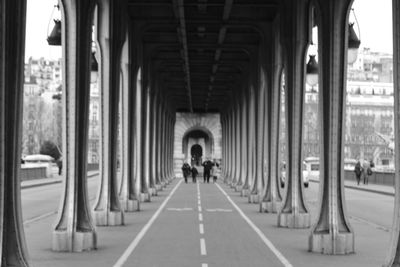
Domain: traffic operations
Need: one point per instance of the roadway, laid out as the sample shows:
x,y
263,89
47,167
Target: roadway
x,y
206,225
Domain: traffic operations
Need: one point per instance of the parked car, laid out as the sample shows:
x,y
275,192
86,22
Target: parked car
x,y
307,172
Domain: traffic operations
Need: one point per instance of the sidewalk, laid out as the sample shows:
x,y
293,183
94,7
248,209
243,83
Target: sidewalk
x,y
47,181
374,188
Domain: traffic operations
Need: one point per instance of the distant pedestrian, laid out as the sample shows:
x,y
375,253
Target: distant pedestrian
x,y
365,172
358,170
215,172
369,171
186,171
207,170
60,165
194,174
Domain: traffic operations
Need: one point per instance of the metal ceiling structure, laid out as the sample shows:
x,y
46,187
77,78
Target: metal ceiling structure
x,y
201,50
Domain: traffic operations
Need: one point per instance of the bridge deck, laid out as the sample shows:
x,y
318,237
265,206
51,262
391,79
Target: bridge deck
x,y
177,235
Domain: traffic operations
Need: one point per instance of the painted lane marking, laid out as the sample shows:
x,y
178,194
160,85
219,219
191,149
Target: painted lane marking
x,y
38,218
375,225
266,241
203,247
199,208
145,228
200,217
219,210
204,265
201,229
180,209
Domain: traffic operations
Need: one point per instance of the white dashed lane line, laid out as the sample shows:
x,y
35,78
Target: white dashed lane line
x,y
203,250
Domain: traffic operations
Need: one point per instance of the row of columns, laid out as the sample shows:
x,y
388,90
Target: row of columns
x,y
146,156
332,232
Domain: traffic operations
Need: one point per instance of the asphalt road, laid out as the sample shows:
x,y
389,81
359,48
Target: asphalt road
x,y
207,225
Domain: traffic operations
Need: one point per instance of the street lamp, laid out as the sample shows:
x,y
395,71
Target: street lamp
x,y
354,44
312,71
54,38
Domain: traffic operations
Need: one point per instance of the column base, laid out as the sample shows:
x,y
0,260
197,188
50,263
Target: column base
x,y
326,243
232,185
254,198
81,241
294,220
238,188
130,205
245,193
153,191
159,187
108,218
270,206
145,197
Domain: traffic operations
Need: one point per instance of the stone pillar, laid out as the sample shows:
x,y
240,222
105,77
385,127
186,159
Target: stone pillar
x,y
155,143
145,177
271,196
74,230
111,34
12,44
332,234
152,143
242,143
160,144
258,183
237,142
232,147
128,193
294,213
250,129
393,255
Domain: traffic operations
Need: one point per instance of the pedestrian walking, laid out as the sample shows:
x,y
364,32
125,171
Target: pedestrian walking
x,y
194,174
207,170
369,171
185,171
215,172
358,171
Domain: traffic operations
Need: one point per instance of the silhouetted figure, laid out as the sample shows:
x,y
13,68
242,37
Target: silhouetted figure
x,y
186,171
207,169
194,174
358,171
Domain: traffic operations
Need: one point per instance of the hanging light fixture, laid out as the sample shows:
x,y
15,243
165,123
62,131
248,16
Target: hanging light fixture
x,y
55,36
353,41
94,67
312,71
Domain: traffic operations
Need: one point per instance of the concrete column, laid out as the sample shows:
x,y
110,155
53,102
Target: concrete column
x,y
294,213
258,183
145,178
12,44
332,233
169,141
243,144
160,133
237,141
74,230
137,160
128,193
111,34
250,129
271,199
224,154
156,143
393,255
152,143
231,146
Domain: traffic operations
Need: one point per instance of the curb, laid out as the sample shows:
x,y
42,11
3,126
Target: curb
x,y
53,182
364,189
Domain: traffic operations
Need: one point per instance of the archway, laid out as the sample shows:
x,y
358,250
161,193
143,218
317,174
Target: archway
x,y
196,151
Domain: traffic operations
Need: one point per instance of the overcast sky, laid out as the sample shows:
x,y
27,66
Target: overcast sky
x,y
374,16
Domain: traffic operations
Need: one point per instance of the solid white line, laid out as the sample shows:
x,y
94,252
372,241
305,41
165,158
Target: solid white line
x,y
266,241
140,235
35,219
201,228
200,217
203,246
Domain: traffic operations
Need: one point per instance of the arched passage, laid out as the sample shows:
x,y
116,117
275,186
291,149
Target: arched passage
x,y
197,145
